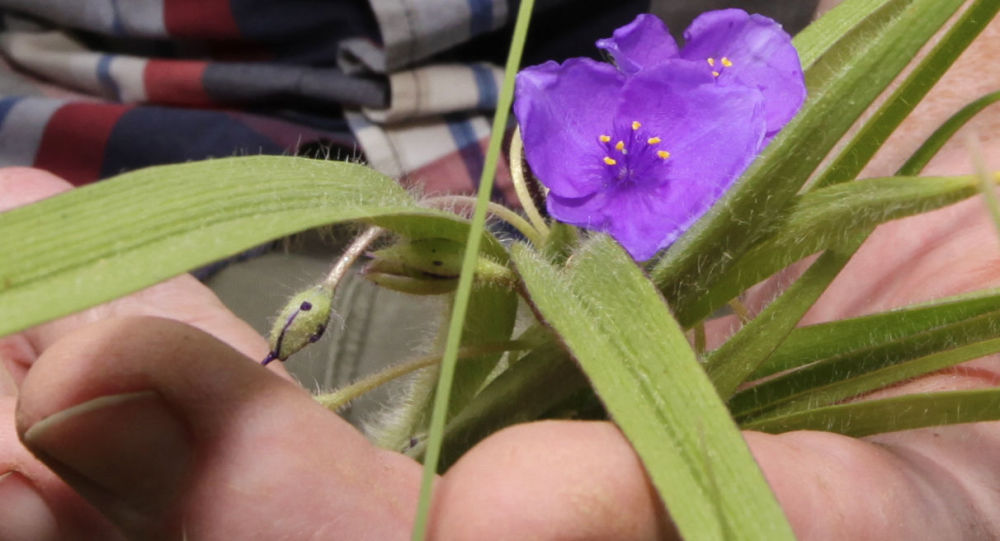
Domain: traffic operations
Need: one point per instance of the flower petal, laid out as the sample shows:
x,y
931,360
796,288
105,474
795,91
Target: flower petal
x,y
761,54
712,133
642,43
563,109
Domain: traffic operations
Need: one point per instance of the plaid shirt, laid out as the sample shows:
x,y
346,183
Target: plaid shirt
x,y
92,88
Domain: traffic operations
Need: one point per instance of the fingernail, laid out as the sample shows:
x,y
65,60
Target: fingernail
x,y
24,515
126,450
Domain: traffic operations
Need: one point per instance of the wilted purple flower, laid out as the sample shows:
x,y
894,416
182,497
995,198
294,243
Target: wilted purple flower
x,y
641,151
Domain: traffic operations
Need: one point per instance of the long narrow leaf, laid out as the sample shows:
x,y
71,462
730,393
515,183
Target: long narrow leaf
x,y
890,115
890,414
861,69
944,133
459,310
830,217
620,331
812,343
103,241
823,34
840,378
731,364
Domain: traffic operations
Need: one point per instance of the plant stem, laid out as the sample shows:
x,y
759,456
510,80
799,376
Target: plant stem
x,y
521,186
533,234
339,398
349,256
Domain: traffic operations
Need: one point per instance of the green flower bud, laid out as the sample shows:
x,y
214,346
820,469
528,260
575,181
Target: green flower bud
x,y
437,257
419,267
411,284
301,322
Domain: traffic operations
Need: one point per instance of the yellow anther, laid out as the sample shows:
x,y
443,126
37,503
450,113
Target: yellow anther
x,y
620,145
663,154
711,61
715,73
653,140
636,125
727,62
609,160
605,138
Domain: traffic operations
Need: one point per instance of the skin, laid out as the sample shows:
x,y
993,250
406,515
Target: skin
x,y
237,451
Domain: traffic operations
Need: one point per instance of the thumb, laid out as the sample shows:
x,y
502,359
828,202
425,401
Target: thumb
x,y
171,433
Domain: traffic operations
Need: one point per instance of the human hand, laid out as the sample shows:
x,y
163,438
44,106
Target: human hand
x,y
167,431
36,504
224,449
258,459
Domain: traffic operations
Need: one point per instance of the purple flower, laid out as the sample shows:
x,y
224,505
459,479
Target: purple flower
x,y
737,48
641,151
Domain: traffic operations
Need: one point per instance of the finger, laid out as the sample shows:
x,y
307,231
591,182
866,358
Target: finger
x,y
170,432
550,480
576,480
22,185
182,298
36,504
835,487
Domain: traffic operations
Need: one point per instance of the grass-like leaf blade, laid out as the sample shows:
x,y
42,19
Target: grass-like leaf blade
x,y
97,243
943,134
831,217
638,360
831,380
921,410
806,345
858,69
876,130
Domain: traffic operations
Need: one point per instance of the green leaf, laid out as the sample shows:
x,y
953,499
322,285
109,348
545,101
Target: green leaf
x,y
890,115
490,320
637,359
943,134
812,343
857,372
890,414
850,75
439,414
535,384
731,364
835,25
100,242
830,217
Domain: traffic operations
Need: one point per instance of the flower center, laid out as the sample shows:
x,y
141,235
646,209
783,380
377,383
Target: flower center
x,y
718,66
629,155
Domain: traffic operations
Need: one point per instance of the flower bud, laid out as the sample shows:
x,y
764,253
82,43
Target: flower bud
x,y
300,323
419,267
